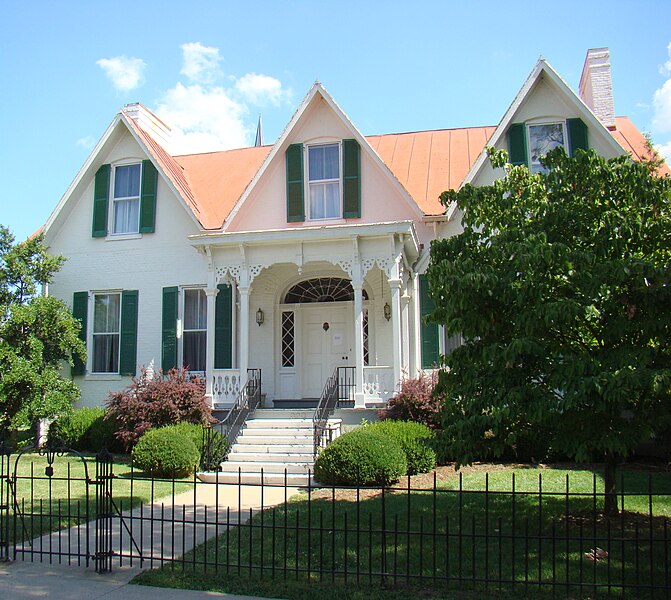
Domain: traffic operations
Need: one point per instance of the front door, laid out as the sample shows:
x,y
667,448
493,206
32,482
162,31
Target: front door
x,y
326,343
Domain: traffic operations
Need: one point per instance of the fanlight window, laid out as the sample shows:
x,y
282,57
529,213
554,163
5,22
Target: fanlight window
x,y
323,289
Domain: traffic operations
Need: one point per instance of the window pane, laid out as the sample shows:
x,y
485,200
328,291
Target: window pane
x,y
325,200
127,181
194,350
324,162
543,138
195,309
106,311
106,353
126,216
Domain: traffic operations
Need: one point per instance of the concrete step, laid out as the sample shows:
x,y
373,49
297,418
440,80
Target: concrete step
x,y
273,456
303,403
285,440
230,466
277,431
271,448
283,413
279,424
291,479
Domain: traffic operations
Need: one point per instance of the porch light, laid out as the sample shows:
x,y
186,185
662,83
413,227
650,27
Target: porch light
x,y
259,317
386,311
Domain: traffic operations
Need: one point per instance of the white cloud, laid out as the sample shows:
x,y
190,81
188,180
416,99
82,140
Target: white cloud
x,y
125,73
262,89
665,151
200,63
661,103
665,69
86,142
204,119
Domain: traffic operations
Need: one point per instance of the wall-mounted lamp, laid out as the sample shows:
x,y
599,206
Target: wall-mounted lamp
x,y
259,317
386,311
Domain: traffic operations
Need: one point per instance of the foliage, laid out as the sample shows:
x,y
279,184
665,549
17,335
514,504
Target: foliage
x,y
154,401
361,457
559,284
212,450
166,452
415,401
413,439
86,429
37,333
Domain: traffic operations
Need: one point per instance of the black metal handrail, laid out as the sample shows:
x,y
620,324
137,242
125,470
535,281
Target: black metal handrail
x,y
331,395
246,403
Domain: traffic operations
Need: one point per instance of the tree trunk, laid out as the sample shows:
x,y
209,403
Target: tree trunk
x,y
610,508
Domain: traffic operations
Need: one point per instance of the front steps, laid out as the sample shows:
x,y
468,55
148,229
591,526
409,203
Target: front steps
x,y
273,441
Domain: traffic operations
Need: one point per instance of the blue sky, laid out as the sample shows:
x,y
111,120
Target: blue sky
x,y
210,68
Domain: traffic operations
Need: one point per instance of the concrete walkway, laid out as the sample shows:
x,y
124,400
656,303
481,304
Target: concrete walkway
x,y
165,530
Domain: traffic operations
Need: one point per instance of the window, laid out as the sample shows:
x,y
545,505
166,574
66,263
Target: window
x,y
194,332
106,332
126,199
324,181
544,137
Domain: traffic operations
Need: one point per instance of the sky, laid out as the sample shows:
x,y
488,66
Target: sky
x,y
210,68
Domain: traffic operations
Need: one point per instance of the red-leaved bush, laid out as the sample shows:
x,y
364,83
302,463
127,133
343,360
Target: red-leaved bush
x,y
415,402
154,401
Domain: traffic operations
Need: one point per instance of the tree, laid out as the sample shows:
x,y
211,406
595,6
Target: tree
x,y
560,286
37,333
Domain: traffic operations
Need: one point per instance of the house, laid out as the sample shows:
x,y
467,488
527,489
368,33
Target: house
x,y
295,258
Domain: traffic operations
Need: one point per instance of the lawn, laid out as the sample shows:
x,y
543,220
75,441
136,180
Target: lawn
x,y
468,532
62,500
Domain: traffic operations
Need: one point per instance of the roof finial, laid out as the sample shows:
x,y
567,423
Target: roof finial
x,y
259,133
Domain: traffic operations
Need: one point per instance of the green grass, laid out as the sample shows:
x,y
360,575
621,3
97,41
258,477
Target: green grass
x,y
529,541
52,503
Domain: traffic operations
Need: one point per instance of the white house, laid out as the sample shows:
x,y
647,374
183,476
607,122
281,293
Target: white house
x,y
294,258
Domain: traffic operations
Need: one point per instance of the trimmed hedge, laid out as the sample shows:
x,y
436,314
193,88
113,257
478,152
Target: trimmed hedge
x,y
413,439
86,428
361,457
166,452
210,460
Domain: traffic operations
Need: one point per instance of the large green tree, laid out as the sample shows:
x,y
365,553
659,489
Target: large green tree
x,y
37,333
560,285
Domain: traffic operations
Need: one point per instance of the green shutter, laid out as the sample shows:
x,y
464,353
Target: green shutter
x,y
429,331
169,329
128,358
295,185
351,180
80,302
577,135
148,197
517,144
100,201
223,331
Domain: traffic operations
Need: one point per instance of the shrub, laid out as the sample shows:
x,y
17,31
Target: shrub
x,y
415,402
166,452
413,439
361,457
79,429
156,401
215,449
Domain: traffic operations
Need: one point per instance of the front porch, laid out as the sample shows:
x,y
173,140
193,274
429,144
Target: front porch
x,y
378,387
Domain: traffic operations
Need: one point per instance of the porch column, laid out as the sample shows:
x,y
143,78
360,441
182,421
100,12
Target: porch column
x,y
359,401
395,287
211,294
243,357
405,330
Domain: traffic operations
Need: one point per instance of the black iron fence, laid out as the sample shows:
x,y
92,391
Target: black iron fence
x,y
450,535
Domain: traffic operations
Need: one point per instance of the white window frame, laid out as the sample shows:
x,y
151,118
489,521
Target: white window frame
x,y
92,333
535,166
112,215
339,180
181,330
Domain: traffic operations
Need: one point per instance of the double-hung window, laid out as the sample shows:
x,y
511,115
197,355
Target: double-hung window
x,y
106,332
324,181
194,330
126,199
543,137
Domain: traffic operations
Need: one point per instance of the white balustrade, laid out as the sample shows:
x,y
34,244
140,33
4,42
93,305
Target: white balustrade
x,y
225,386
378,383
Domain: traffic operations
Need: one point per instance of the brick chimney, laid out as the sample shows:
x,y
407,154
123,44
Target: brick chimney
x,y
148,121
596,88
